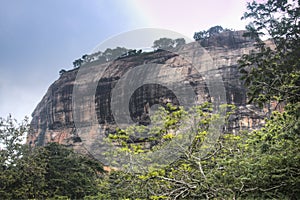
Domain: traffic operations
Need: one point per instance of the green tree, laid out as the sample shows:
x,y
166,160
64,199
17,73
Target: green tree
x,y
200,35
272,72
77,63
264,164
112,54
163,43
21,177
62,71
68,173
215,30
42,172
12,135
179,42
85,58
208,33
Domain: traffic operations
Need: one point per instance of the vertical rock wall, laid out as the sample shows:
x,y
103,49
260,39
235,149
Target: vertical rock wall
x,y
52,120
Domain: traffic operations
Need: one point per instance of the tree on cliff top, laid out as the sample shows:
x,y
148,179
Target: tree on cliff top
x,y
168,43
163,43
208,33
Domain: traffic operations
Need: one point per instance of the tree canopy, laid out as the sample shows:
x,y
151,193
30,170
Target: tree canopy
x,y
208,33
273,71
42,172
108,55
168,43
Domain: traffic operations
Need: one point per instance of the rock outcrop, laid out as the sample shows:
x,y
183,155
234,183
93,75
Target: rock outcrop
x,y
53,118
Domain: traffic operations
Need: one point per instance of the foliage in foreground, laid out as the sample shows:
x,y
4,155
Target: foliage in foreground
x,y
272,73
264,164
43,172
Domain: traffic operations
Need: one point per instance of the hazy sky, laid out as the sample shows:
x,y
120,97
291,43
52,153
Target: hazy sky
x,y
38,38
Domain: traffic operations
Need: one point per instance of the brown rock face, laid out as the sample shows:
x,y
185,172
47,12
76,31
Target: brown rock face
x,y
200,68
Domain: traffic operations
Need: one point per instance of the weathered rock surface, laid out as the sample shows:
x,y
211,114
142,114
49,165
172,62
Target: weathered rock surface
x,y
53,118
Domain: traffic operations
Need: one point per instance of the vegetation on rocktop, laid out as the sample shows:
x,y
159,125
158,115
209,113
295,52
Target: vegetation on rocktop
x,y
201,35
108,55
121,52
168,43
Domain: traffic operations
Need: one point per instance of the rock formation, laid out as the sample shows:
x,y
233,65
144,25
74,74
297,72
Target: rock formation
x,y
53,118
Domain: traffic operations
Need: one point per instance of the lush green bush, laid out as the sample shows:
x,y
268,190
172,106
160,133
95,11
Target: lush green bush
x,y
264,164
42,172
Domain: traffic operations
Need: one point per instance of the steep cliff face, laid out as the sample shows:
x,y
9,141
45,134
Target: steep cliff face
x,y
53,118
